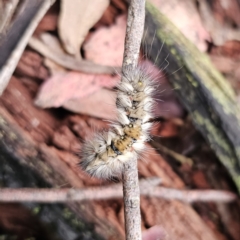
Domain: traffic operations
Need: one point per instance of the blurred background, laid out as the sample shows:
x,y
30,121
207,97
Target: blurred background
x,y
60,62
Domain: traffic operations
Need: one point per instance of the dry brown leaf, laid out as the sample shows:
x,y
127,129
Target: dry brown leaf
x,y
106,45
47,48
53,43
75,20
185,16
100,104
60,88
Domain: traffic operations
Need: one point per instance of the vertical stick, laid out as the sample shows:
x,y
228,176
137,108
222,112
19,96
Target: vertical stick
x,y
131,194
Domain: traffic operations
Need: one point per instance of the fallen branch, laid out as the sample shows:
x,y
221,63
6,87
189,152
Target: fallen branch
x,y
148,187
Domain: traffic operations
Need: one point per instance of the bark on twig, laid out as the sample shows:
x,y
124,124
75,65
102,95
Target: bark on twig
x,y
134,32
147,188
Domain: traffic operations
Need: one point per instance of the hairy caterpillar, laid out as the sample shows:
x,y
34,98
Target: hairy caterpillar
x,y
103,156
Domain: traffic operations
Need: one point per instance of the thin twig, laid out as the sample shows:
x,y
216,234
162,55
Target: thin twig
x,y
148,187
12,58
131,195
113,191
189,196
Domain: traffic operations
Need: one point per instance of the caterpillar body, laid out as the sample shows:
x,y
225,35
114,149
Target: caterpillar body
x,y
103,156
